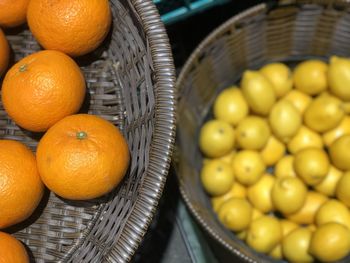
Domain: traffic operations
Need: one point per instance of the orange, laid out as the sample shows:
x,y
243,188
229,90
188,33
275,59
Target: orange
x,y
82,157
43,88
12,250
4,52
75,27
20,186
13,12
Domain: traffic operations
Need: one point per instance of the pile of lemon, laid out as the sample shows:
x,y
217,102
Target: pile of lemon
x,y
277,160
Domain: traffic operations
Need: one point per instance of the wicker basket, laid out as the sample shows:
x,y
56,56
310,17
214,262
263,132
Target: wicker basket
x,y
130,82
288,31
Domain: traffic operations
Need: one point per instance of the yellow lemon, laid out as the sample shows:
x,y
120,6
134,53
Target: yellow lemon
x,y
227,158
285,120
243,234
296,244
310,76
324,113
343,128
236,190
285,167
256,214
264,234
339,77
216,138
328,184
248,167
230,106
330,242
287,227
303,139
333,211
280,76
288,194
276,253
259,194
312,227
236,214
258,92
252,133
339,152
306,214
217,177
299,99
311,165
343,189
273,151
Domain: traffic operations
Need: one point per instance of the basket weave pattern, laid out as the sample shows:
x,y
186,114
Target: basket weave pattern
x,y
130,82
287,31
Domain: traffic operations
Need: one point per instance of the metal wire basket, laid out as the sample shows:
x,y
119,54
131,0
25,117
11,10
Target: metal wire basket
x,y
287,31
130,82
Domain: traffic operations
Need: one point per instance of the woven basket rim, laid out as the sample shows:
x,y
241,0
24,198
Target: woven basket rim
x,y
164,131
184,72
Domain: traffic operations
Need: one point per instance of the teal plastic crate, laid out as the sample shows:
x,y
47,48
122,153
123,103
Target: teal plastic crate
x,y
174,10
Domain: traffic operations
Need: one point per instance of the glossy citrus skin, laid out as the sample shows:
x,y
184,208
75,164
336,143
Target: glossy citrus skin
x,y
82,157
43,88
13,12
4,53
75,27
20,186
11,250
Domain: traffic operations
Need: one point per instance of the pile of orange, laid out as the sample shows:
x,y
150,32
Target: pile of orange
x,y
80,156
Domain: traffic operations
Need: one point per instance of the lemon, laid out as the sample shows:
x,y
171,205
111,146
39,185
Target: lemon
x,y
303,139
339,77
296,244
227,158
235,214
258,92
333,211
280,76
264,234
310,76
287,227
252,133
343,189
288,194
330,242
256,214
311,165
236,190
306,215
216,138
300,100
259,194
217,177
248,167
285,120
285,167
343,128
273,151
324,113
328,184
339,152
276,253
242,235
230,106
312,227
